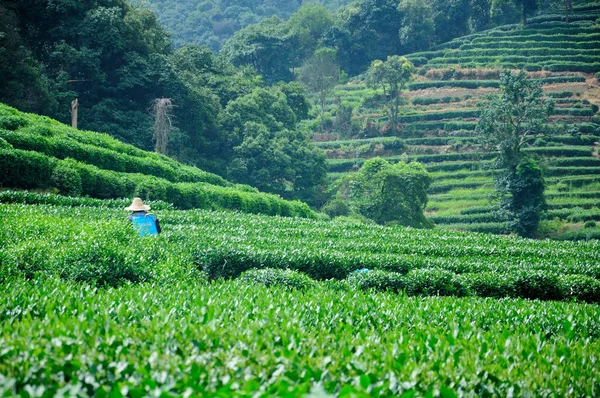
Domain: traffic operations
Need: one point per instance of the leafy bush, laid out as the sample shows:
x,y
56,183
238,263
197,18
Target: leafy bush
x,y
24,169
487,284
538,285
581,287
278,277
377,280
66,179
4,144
336,208
433,282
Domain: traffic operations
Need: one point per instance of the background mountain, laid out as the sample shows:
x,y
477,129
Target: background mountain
x,y
212,22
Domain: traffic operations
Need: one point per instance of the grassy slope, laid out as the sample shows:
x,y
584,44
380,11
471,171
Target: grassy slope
x,y
440,118
35,151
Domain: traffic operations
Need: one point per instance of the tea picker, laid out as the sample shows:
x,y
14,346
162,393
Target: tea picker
x,y
145,223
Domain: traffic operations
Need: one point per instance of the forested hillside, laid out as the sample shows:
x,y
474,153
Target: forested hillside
x,y
438,116
212,22
361,30
116,60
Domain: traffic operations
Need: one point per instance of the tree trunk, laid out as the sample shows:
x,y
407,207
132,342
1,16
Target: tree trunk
x,y
523,17
568,7
162,111
74,113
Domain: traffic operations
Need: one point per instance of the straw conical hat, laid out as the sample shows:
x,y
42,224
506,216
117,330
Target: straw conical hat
x,y
138,205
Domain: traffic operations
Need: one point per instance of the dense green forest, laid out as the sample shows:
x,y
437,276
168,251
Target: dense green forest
x,y
276,36
212,22
117,59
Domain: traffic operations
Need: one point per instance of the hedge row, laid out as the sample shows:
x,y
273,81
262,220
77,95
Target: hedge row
x,y
444,187
387,143
434,100
561,151
578,139
529,59
485,214
42,134
576,214
27,169
432,116
570,171
582,234
565,66
63,147
32,198
589,37
591,16
537,51
585,161
560,94
531,44
574,181
567,30
472,84
483,217
437,282
496,228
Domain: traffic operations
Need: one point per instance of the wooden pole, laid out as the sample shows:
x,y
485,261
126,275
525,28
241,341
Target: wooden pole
x,y
74,106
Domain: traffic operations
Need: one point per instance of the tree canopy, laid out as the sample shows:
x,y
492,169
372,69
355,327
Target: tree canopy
x,y
388,193
508,122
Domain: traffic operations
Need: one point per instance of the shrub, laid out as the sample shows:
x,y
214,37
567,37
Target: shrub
x,y
487,284
110,256
581,287
24,260
24,169
538,285
66,179
336,208
12,122
4,144
433,282
590,224
278,277
377,280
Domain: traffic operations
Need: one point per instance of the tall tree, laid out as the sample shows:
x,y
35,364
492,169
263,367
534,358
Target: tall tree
x,y
525,7
268,46
388,194
320,74
266,149
508,122
417,31
392,76
308,24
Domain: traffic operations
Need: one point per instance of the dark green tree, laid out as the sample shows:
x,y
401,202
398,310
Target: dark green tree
x,y
392,76
388,194
417,31
269,47
508,122
267,150
309,24
321,73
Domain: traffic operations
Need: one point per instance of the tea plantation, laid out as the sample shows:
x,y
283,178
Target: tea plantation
x,y
91,308
37,152
441,110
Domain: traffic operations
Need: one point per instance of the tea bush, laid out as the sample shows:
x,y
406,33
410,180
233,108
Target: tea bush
x,y
278,277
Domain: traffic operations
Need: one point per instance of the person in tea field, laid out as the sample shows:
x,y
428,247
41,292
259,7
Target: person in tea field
x,y
145,223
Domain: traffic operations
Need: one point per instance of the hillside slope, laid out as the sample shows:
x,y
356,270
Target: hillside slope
x,y
441,111
212,22
40,153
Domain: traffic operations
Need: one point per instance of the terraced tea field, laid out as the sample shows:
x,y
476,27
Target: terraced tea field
x,y
89,308
441,111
